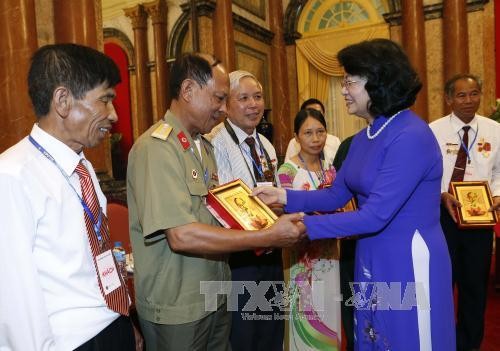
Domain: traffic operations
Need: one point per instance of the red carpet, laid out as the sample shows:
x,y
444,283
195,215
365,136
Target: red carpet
x,y
491,341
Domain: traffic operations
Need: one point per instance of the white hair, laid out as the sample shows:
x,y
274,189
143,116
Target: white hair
x,y
236,76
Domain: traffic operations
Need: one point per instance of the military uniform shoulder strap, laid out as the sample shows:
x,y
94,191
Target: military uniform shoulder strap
x,y
162,131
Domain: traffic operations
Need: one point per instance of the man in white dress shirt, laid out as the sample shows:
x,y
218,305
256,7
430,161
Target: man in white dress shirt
x,y
50,295
470,250
332,142
233,153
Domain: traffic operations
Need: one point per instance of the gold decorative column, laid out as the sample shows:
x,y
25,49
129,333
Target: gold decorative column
x,y
222,27
455,38
280,97
414,44
75,22
19,41
157,10
144,114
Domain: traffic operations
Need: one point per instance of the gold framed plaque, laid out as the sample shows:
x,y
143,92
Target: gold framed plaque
x,y
476,199
235,208
350,206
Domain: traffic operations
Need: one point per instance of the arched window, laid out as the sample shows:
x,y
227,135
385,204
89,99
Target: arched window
x,y
319,15
326,27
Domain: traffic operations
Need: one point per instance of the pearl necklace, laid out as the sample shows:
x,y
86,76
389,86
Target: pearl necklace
x,y
371,137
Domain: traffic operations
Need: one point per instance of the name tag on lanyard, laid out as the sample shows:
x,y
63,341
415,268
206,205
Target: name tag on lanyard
x,y
108,273
469,171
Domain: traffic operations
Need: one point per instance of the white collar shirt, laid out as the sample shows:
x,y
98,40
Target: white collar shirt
x,y
484,144
49,295
235,161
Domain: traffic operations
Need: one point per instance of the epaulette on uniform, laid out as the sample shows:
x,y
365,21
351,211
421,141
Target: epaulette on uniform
x,y
162,131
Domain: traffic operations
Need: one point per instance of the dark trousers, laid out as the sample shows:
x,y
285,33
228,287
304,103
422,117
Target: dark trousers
x,y
118,336
470,252
347,253
258,330
210,333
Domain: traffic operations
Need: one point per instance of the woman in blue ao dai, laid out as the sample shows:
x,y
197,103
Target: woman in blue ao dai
x,y
402,290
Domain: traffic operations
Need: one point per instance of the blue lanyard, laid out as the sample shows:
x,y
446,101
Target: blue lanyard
x,y
97,224
257,167
309,172
467,150
233,136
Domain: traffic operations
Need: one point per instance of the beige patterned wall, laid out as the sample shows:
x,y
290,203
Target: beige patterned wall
x,y
481,45
481,28
255,56
292,82
44,21
250,16
206,37
482,53
435,79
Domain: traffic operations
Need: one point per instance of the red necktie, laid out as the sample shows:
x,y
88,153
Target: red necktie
x,y
460,163
118,299
257,167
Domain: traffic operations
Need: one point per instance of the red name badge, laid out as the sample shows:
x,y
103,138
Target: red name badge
x,y
183,140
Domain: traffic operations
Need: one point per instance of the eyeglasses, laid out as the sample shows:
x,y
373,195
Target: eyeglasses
x,y
309,134
347,83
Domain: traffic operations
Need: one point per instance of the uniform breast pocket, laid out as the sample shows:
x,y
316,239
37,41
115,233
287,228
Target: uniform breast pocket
x,y
197,188
198,191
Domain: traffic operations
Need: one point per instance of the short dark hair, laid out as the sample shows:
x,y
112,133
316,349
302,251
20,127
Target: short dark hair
x,y
193,66
392,83
78,68
312,101
302,115
449,86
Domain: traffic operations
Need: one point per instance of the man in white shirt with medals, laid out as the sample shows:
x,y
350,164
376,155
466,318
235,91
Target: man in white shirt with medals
x,y
470,249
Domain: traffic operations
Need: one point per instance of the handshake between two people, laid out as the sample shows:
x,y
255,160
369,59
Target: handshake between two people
x,y
289,228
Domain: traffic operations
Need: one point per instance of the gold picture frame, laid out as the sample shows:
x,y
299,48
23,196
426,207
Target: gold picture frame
x,y
476,199
235,205
349,206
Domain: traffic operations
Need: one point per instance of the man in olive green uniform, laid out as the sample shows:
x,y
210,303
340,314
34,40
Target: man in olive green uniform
x,y
176,242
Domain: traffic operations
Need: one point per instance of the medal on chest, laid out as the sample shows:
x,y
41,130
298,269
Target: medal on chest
x,y
484,148
452,148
